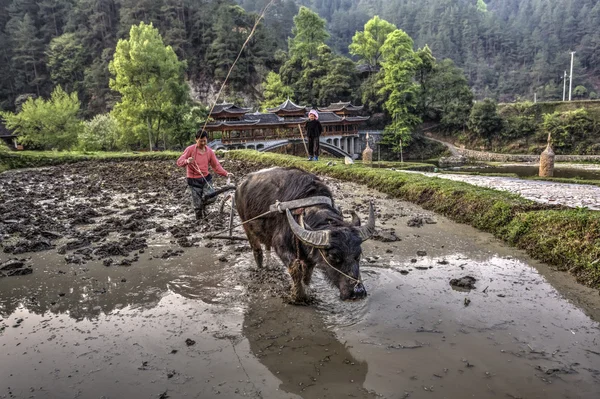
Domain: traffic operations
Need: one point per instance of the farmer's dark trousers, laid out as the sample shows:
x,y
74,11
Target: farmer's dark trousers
x,y
313,146
197,188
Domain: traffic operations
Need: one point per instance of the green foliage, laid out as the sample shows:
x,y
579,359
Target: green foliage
x,y
308,34
444,94
371,93
150,79
232,27
366,45
275,92
27,54
47,124
484,119
520,120
568,129
481,6
66,57
189,121
399,66
99,134
580,92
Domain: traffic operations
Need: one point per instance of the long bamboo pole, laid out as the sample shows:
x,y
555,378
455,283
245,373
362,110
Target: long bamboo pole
x,y
303,142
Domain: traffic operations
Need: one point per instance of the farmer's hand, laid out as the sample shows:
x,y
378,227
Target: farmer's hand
x,y
190,160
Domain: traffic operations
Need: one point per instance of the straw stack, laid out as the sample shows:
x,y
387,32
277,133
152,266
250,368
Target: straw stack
x,y
547,161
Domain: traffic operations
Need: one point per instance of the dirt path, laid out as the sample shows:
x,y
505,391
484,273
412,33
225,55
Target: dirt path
x,y
200,321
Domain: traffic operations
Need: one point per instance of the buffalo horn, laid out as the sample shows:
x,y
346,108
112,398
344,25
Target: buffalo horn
x,y
367,231
318,239
355,219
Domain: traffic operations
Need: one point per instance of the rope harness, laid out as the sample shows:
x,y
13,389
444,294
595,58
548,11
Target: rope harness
x,y
298,207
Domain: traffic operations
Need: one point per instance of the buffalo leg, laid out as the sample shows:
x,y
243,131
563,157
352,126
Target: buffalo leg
x,y
297,270
307,272
255,245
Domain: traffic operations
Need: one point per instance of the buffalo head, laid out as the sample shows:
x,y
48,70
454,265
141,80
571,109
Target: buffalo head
x,y
338,251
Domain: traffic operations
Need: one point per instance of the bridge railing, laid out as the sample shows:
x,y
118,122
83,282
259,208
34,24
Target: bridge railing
x,y
239,137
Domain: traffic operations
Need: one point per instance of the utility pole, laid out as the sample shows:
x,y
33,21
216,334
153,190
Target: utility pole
x,y
564,85
534,98
571,77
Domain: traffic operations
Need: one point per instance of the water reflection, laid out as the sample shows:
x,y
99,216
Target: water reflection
x,y
295,345
88,291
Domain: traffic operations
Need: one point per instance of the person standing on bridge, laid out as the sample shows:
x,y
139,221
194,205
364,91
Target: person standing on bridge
x,y
313,131
196,158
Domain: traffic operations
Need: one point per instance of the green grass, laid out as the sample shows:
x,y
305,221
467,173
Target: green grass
x,y
35,159
566,238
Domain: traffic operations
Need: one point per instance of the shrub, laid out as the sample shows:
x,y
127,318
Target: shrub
x,y
484,119
99,134
568,128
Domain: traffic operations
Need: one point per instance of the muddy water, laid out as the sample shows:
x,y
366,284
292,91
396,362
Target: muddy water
x,y
206,323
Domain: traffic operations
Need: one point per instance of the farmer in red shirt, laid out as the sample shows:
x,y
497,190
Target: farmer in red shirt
x,y
196,159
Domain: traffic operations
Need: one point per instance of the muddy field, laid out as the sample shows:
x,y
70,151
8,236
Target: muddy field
x,y
111,289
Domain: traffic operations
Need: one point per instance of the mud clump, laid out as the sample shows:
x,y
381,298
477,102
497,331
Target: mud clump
x,y
466,283
418,221
15,267
24,246
386,235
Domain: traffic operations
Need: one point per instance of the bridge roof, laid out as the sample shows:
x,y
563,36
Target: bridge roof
x,y
229,108
341,106
288,106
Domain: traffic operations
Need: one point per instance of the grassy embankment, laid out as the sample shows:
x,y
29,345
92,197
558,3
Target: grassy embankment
x,y
36,159
566,238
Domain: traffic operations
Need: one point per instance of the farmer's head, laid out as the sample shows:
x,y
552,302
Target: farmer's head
x,y
201,138
312,115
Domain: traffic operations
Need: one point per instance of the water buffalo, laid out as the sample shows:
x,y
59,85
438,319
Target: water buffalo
x,y
319,237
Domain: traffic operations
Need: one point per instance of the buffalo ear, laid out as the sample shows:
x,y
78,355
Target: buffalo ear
x,y
367,231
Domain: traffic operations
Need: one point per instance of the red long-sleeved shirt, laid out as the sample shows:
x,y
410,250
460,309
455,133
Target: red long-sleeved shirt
x,y
202,162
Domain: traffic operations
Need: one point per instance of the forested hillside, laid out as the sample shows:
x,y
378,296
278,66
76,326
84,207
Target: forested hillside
x,y
421,61
507,48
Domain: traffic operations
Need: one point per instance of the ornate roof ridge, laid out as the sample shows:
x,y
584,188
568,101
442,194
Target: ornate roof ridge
x,y
287,105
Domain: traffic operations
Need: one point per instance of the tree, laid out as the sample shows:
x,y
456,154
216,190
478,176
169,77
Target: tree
x,y
484,119
308,34
47,124
399,66
27,56
339,83
232,28
150,79
444,95
366,45
275,92
66,58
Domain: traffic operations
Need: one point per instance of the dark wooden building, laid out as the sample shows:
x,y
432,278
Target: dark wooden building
x,y
233,124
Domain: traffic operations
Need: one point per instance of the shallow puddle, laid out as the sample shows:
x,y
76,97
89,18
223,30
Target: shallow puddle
x,y
204,323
